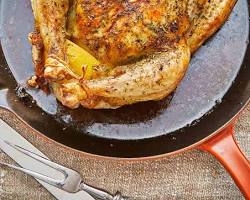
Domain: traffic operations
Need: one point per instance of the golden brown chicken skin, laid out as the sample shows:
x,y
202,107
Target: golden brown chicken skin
x,y
148,42
206,16
117,32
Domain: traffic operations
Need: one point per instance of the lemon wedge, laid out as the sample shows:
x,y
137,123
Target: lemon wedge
x,y
78,58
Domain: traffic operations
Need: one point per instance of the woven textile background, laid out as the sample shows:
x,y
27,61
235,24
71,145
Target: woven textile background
x,y
192,175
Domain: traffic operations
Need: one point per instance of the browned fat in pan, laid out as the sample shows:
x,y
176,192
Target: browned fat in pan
x,y
212,71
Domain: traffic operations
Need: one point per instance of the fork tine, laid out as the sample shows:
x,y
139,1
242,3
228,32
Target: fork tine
x,y
36,175
39,158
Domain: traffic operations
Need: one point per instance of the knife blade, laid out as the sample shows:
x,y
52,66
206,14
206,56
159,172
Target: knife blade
x,y
9,134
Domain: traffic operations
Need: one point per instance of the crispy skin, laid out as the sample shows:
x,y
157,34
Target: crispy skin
x,y
50,19
154,36
117,32
208,16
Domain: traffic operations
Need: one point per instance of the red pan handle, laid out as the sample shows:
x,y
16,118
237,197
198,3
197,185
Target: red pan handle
x,y
224,147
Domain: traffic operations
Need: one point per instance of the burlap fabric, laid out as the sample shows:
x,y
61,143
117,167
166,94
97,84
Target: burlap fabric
x,y
192,175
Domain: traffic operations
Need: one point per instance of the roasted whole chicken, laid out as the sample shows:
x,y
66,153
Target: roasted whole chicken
x,y
143,47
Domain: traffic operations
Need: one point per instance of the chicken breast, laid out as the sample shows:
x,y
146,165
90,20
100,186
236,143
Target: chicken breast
x,y
117,32
147,43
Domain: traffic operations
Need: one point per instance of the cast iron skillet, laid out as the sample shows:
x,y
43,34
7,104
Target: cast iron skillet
x,y
215,89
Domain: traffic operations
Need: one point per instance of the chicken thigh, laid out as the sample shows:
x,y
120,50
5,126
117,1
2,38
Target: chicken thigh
x,y
144,46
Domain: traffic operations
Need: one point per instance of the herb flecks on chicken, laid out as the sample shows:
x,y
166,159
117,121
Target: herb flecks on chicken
x,y
143,46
